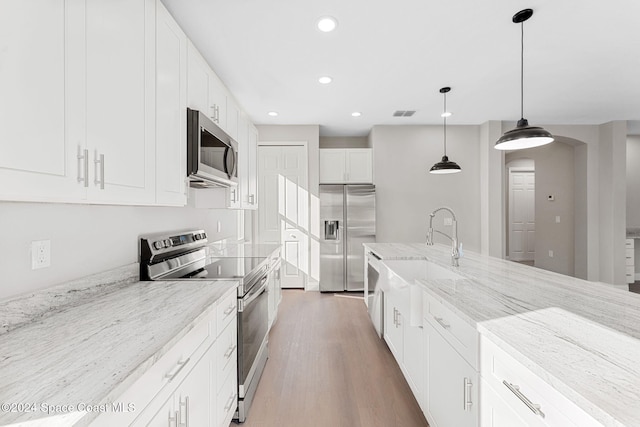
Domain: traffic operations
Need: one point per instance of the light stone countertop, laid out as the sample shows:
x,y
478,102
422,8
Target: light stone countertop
x,y
94,341
501,298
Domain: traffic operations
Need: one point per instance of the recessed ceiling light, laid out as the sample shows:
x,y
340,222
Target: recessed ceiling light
x,y
325,80
446,114
273,113
327,24
356,114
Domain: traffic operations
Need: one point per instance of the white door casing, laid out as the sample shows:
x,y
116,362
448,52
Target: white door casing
x,y
283,212
521,214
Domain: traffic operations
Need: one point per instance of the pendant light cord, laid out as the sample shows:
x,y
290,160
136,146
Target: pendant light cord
x,y
522,70
445,123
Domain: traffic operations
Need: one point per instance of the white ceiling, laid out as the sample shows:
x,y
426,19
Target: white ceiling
x,y
582,59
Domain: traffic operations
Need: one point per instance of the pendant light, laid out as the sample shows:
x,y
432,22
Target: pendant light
x,y
445,165
523,136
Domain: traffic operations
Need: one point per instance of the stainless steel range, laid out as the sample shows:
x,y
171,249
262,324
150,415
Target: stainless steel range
x,y
184,256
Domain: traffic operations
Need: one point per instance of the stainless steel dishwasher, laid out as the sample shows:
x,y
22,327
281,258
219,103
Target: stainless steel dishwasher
x,y
375,295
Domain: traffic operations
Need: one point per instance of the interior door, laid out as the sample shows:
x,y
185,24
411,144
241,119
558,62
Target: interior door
x,y
283,213
522,224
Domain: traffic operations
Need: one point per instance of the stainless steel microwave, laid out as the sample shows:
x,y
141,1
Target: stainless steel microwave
x,y
212,155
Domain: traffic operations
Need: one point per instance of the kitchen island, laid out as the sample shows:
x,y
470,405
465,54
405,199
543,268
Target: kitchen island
x,y
582,338
67,353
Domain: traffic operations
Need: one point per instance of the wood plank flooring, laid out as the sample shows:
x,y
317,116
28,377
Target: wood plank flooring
x,y
328,368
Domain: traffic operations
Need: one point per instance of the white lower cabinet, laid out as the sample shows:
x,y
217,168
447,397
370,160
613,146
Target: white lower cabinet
x,y
191,402
512,395
451,384
193,383
404,339
496,412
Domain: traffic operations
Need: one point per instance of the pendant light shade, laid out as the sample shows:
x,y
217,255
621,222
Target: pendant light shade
x,y
523,136
445,165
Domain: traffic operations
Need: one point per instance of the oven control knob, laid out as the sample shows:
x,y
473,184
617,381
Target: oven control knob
x,y
203,235
196,237
158,245
168,243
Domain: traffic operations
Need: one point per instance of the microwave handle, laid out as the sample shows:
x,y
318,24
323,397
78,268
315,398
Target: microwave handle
x,y
229,152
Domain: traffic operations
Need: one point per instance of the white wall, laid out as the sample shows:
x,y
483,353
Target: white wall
x,y
88,239
406,192
554,175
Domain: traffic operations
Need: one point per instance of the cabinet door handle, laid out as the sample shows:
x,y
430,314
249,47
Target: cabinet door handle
x,y
174,418
177,369
83,164
229,310
441,322
395,316
467,394
186,412
230,351
252,199
516,390
230,402
99,161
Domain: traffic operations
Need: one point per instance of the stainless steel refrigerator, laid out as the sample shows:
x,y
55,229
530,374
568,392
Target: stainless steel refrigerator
x,y
347,220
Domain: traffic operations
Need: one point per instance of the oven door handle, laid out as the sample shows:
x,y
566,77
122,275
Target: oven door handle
x,y
244,302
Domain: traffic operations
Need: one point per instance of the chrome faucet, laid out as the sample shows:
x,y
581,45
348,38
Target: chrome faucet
x,y
455,252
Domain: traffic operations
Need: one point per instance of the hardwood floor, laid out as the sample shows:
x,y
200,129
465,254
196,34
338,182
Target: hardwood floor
x,y
328,368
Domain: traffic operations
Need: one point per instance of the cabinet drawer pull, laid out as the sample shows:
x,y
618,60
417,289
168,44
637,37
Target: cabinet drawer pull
x,y
230,402
467,394
441,322
177,369
230,351
516,390
229,310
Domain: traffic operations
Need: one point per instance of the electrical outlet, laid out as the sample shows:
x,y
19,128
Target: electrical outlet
x,y
219,227
550,254
557,219
40,254
448,221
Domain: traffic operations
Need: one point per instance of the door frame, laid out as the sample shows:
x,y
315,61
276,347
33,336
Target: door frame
x,y
510,170
255,221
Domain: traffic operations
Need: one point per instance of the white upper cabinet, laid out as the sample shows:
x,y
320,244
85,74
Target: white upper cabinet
x,y
83,131
247,163
120,99
37,153
198,82
171,104
252,179
93,105
233,125
206,93
346,166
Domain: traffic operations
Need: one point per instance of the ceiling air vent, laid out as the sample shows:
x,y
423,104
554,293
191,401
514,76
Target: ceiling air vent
x,y
404,113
